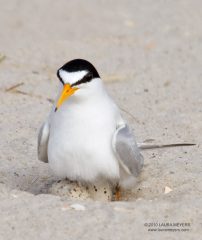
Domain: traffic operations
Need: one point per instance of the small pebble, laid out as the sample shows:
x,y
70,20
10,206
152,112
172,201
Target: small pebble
x,y
167,190
14,195
78,207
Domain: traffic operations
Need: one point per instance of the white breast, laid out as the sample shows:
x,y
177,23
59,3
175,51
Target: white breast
x,y
80,142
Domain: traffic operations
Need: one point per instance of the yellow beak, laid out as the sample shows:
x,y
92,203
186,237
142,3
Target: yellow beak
x,y
66,93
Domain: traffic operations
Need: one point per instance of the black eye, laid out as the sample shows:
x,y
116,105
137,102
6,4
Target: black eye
x,y
88,77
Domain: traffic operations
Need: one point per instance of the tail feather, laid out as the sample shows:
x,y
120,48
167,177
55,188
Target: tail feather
x,y
144,146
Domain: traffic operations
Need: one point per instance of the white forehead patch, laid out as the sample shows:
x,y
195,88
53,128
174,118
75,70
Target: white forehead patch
x,y
72,77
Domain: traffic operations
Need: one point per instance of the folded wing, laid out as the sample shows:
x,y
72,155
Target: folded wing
x,y
127,150
43,142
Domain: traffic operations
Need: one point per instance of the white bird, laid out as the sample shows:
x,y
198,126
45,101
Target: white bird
x,y
85,139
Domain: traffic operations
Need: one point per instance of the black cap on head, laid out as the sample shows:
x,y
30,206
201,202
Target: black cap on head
x,y
79,65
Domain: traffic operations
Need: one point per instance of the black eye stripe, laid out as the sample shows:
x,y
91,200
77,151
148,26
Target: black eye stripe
x,y
87,78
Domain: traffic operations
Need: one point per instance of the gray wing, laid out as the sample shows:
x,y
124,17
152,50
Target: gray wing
x,y
127,150
43,142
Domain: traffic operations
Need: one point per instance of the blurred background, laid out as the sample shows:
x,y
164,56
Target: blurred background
x,y
123,39
149,54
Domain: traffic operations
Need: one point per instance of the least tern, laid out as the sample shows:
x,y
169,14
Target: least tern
x,y
85,138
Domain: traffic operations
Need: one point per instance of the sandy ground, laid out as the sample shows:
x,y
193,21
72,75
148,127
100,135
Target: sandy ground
x,y
149,54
